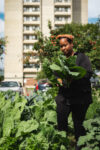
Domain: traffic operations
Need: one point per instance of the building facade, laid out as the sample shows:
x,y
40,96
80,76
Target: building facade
x,y
22,19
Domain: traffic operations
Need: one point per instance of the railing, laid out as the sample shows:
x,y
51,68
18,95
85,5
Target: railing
x,y
58,1
30,1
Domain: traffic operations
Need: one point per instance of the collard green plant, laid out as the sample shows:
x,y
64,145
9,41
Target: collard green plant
x,y
95,105
92,138
63,68
30,123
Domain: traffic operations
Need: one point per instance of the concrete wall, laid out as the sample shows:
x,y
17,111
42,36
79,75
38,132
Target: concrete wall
x,y
80,11
13,69
76,11
47,11
84,11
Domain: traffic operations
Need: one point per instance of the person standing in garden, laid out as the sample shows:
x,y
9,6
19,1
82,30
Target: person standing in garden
x,y
77,97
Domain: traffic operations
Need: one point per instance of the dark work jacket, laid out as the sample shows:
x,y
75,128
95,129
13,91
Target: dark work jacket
x,y
79,91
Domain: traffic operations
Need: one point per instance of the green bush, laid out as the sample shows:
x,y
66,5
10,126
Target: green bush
x,y
86,39
30,123
92,110
91,141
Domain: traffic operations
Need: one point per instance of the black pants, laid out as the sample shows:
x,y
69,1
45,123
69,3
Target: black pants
x,y
78,116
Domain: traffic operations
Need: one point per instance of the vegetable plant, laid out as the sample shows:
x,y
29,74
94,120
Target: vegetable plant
x,y
64,68
30,123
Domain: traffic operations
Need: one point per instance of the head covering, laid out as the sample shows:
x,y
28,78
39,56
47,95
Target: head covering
x,y
71,37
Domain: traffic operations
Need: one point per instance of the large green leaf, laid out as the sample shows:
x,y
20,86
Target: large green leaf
x,y
8,125
50,116
27,127
75,74
18,109
55,67
80,71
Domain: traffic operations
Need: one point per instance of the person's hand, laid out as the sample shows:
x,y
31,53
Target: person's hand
x,y
60,81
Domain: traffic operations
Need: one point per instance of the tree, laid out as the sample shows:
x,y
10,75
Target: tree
x,y
85,40
2,44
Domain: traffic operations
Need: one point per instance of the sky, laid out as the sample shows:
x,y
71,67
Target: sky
x,y
93,8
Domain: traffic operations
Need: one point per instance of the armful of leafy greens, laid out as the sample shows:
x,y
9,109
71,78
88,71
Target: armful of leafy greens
x,y
66,69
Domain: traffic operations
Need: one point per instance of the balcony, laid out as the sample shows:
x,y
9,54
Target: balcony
x,y
31,3
62,4
31,13
58,26
30,29
30,75
62,13
62,22
25,51
29,41
30,32
31,68
34,60
31,23
26,70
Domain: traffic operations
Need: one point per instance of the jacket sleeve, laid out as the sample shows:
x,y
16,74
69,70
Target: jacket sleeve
x,y
83,61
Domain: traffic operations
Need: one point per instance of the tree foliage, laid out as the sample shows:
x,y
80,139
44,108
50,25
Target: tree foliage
x,y
2,44
86,39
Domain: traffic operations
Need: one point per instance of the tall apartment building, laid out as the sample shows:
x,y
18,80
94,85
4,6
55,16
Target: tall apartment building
x,y
22,19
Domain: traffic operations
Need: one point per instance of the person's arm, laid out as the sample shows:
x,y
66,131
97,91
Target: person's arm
x,y
83,61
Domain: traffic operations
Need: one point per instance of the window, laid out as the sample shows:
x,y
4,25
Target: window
x,y
24,28
67,1
31,28
27,0
31,66
31,47
58,0
61,9
24,9
27,46
33,18
30,37
58,26
26,18
26,37
33,9
8,84
35,0
27,27
24,47
63,18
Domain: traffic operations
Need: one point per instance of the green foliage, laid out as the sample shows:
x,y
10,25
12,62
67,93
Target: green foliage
x,y
86,39
64,68
92,110
2,44
46,47
41,75
92,138
1,78
30,123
